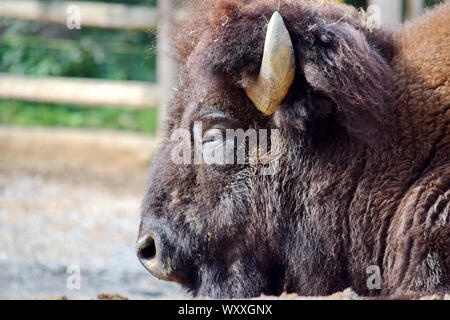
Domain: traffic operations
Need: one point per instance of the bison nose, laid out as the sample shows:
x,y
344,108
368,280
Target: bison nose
x,y
148,255
146,248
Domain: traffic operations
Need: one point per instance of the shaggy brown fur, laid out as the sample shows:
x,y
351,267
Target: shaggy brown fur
x,y
365,172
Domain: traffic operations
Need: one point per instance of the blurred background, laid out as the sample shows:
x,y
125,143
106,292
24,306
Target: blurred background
x,y
82,90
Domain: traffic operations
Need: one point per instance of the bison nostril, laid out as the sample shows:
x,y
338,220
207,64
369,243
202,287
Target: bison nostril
x,y
150,258
147,248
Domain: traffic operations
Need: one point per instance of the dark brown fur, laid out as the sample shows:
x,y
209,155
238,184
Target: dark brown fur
x,y
365,172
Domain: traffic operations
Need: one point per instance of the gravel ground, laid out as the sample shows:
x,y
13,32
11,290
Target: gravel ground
x,y
71,198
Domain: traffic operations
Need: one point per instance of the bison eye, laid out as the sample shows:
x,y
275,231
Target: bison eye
x,y
213,136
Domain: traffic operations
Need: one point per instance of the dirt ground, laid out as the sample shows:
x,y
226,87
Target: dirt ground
x,y
70,199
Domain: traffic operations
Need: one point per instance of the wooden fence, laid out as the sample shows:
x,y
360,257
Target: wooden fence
x,y
89,92
94,14
93,92
85,92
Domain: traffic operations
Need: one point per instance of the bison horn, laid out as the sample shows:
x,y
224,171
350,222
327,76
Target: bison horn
x,y
277,68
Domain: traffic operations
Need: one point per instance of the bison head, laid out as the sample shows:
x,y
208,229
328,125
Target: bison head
x,y
314,73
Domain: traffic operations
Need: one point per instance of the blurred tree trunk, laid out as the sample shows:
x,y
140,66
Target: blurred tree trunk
x,y
390,11
166,72
413,8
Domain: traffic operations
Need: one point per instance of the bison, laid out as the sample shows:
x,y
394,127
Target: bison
x,y
360,196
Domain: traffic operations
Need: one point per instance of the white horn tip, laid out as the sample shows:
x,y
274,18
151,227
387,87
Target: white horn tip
x,y
277,69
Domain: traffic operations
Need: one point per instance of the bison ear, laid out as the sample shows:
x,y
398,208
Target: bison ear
x,y
349,71
277,71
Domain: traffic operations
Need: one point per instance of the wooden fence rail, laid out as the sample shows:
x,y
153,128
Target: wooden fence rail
x,y
84,92
90,92
93,92
92,14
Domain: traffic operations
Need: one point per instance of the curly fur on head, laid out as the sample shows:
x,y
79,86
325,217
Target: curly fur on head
x,y
337,55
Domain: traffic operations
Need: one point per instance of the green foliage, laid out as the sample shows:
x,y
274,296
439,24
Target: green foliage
x,y
48,50
358,3
430,3
40,114
40,49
